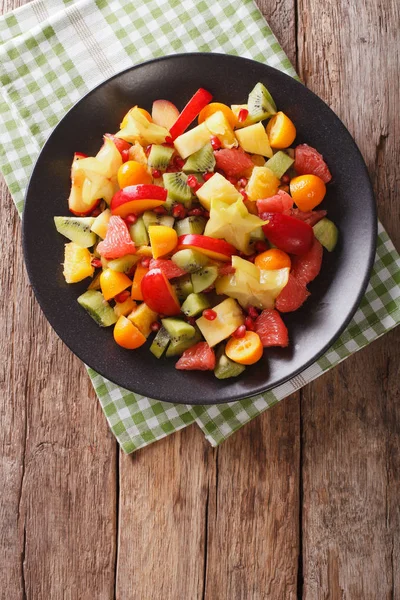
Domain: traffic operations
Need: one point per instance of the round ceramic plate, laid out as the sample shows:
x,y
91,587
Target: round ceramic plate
x,y
335,294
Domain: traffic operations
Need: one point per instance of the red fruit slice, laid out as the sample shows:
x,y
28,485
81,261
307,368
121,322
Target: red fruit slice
x,y
197,358
159,294
197,102
211,247
271,329
120,145
308,161
287,233
164,113
311,216
306,267
117,242
135,199
292,296
233,162
169,268
280,203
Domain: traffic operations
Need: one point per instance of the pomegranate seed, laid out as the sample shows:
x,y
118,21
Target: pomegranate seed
x,y
232,180
131,219
156,173
252,312
243,114
285,178
131,271
215,143
122,296
207,176
206,214
249,323
95,212
284,188
191,321
179,211
145,262
156,326
171,169
160,210
168,140
239,332
96,263
244,194
179,162
167,145
242,182
209,289
251,258
147,149
209,314
125,155
261,246
192,181
195,212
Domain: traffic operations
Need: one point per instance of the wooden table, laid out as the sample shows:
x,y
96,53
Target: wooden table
x,y
301,503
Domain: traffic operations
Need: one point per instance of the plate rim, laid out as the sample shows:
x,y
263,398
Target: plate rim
x,y
167,397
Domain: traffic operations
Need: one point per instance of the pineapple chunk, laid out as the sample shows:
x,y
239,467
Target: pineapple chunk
x,y
143,317
229,318
124,308
100,224
77,263
217,188
254,139
138,129
218,125
262,184
251,286
191,141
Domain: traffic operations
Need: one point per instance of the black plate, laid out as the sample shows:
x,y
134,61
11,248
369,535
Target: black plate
x,y
336,292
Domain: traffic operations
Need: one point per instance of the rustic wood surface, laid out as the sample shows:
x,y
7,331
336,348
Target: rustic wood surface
x,y
301,503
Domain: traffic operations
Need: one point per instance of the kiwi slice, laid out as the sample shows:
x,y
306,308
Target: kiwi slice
x,y
190,260
190,225
279,163
138,233
195,304
152,218
178,329
159,157
260,103
178,189
202,160
326,233
77,229
178,347
93,302
160,343
123,264
183,287
203,278
226,367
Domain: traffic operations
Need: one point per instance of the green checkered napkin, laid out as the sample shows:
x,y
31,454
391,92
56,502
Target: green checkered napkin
x,y
51,54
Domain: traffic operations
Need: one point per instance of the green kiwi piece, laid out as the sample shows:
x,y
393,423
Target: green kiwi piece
x,y
260,103
152,218
93,302
160,343
178,189
279,163
326,233
226,367
202,160
138,233
203,278
190,260
195,304
178,347
77,229
183,287
159,157
123,264
190,225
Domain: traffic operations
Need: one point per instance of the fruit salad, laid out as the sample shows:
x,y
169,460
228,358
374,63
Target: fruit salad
x,y
198,229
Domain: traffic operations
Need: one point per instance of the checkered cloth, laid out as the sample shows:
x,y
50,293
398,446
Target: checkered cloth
x,y
51,54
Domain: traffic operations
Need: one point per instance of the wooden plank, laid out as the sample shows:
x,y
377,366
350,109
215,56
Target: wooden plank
x,y
58,457
162,531
351,416
253,516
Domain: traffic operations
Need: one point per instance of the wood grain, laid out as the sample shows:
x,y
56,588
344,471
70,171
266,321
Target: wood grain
x,y
351,416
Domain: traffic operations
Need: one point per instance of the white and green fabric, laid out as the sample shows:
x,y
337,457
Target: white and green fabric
x,y
52,53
